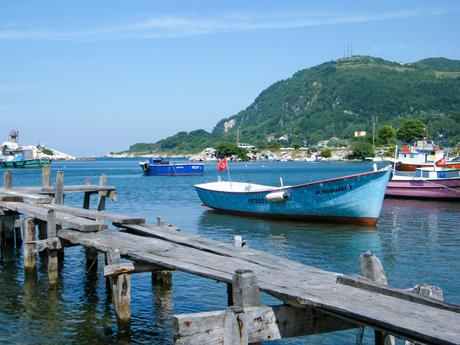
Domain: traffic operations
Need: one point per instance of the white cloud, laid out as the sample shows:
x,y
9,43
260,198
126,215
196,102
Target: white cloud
x,y
4,88
176,26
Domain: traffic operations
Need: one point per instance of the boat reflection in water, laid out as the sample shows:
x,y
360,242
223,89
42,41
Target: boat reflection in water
x,y
329,246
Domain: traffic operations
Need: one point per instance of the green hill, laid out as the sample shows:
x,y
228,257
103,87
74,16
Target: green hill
x,y
338,98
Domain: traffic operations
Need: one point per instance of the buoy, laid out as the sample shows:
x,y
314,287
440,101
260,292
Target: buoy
x,y
277,196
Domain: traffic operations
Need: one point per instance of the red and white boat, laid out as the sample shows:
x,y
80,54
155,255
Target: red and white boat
x,y
427,183
423,154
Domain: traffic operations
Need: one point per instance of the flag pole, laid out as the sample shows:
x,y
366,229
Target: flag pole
x,y
228,172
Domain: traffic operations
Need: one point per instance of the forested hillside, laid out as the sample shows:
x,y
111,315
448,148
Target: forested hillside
x,y
338,98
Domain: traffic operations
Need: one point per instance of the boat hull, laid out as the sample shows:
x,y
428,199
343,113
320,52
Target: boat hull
x,y
412,167
32,163
173,169
448,189
352,199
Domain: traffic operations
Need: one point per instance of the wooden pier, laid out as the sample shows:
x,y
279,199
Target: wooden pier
x,y
311,300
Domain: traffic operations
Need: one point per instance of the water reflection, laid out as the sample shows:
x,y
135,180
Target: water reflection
x,y
311,243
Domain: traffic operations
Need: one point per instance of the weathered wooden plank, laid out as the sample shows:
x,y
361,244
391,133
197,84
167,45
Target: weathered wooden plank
x,y
97,215
41,213
265,323
235,327
264,259
51,190
14,194
363,283
372,269
141,267
53,243
118,268
403,318
429,291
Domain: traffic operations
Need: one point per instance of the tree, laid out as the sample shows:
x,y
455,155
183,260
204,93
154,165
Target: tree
x,y
411,130
226,149
386,134
361,150
326,152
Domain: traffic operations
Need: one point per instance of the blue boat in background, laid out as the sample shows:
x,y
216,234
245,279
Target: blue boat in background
x,y
351,199
161,167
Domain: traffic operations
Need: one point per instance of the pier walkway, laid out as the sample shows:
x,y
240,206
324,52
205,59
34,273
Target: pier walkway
x,y
314,300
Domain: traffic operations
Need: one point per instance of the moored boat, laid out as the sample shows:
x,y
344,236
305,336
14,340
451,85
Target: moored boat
x,y
428,183
162,167
351,199
14,156
422,154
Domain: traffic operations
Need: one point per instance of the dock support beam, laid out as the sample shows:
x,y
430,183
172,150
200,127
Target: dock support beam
x,y
29,245
121,293
102,195
59,192
372,269
46,176
7,179
245,293
7,221
53,263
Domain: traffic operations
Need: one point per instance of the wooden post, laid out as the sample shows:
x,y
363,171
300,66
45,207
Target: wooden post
x,y
121,292
87,196
7,222
102,195
91,255
46,176
29,248
7,225
372,269
236,327
53,269
17,230
59,189
7,179
237,242
162,278
245,289
245,293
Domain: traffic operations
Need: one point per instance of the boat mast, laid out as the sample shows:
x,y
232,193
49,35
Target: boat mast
x,y
373,133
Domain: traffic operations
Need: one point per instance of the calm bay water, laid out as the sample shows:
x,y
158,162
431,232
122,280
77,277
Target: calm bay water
x,y
416,241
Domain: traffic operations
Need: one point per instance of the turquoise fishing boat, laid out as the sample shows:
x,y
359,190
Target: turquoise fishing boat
x,y
350,199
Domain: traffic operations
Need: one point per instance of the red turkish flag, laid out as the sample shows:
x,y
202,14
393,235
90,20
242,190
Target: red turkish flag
x,y
222,165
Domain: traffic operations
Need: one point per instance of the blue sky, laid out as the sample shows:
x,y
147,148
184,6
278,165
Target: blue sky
x,y
90,77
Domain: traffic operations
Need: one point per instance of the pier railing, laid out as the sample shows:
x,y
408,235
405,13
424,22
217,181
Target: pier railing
x,y
313,300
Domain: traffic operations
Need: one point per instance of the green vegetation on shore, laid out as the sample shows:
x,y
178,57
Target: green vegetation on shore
x,y
335,99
